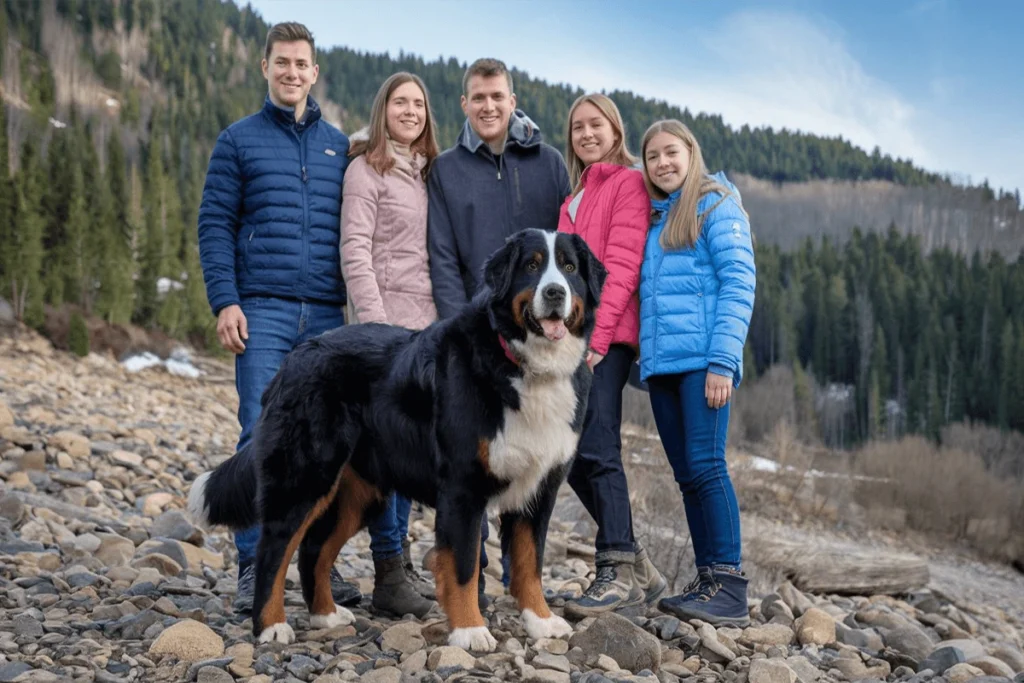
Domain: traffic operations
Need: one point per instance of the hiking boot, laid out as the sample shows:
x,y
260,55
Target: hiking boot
x,y
700,583
650,580
722,601
345,594
614,587
419,584
246,591
393,592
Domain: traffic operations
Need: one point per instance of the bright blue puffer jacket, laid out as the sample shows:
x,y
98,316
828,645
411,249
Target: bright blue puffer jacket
x,y
269,223
695,304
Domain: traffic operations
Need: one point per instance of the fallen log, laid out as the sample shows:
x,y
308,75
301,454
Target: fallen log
x,y
848,570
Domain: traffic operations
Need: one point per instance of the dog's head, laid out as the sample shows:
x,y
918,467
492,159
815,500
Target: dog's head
x,y
545,289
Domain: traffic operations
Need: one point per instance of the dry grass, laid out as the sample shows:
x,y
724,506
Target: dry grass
x,y
945,491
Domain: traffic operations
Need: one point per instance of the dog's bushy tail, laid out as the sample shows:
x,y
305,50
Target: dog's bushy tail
x,y
227,495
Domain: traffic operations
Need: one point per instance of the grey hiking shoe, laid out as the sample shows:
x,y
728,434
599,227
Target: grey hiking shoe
x,y
650,580
614,587
246,591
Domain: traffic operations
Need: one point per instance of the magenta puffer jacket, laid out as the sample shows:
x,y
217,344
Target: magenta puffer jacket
x,y
613,217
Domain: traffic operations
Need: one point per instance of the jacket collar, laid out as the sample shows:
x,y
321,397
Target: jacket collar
x,y
286,115
595,174
663,205
522,131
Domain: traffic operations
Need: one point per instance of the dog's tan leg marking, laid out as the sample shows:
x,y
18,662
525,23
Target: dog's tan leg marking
x,y
458,601
526,585
354,496
273,610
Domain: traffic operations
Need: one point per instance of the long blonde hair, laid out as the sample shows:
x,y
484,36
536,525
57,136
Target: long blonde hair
x,y
619,154
683,226
375,147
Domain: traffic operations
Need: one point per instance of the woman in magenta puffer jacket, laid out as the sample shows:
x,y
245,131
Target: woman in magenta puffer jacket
x,y
610,210
384,263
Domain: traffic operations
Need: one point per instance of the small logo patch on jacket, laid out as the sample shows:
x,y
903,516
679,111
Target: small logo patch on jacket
x,y
330,152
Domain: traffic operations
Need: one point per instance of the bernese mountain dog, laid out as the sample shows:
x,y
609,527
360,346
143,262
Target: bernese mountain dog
x,y
479,411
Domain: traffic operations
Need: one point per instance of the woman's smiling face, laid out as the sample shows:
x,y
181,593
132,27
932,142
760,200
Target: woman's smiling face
x,y
407,113
667,161
593,136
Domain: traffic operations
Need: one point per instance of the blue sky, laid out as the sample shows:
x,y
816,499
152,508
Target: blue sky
x,y
939,81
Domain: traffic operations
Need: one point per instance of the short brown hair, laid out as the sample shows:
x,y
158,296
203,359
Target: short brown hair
x,y
289,32
486,67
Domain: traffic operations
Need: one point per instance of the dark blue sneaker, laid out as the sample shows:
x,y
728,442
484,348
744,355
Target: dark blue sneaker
x,y
719,601
345,594
246,588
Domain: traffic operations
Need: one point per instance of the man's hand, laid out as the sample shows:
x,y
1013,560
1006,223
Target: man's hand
x,y
717,390
232,328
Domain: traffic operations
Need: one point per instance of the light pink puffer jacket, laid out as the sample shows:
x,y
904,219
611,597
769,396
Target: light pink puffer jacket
x,y
384,244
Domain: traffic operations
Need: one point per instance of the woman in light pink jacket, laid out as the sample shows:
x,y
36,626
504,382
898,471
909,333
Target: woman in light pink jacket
x,y
384,209
384,263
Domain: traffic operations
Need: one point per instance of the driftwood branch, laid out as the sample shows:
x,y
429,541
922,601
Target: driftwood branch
x,y
841,569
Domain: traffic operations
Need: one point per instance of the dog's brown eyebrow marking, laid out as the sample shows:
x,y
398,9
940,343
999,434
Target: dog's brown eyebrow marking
x,y
537,257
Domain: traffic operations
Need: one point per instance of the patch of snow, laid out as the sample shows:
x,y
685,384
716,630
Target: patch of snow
x,y
178,363
57,124
111,102
763,464
166,284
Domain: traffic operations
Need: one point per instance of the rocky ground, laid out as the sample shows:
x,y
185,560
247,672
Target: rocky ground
x,y
103,578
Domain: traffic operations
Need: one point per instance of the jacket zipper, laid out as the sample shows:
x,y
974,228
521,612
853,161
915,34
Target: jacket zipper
x,y
515,181
304,265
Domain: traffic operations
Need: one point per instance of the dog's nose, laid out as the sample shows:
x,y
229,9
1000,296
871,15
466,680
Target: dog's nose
x,y
554,294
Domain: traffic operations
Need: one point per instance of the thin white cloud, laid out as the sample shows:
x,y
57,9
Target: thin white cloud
x,y
787,71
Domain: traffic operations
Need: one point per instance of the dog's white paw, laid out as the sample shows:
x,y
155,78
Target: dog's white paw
x,y
477,638
278,633
340,617
549,627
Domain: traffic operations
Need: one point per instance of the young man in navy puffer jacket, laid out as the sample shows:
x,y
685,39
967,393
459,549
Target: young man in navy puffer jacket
x,y
269,227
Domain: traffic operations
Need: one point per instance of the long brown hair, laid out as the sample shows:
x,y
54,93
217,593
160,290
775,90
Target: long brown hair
x,y
619,154
683,226
375,147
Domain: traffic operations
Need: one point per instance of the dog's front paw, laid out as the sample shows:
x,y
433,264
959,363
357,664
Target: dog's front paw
x,y
340,617
547,627
477,638
278,633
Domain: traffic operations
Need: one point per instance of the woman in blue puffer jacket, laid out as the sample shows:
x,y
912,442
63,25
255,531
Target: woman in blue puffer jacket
x,y
696,296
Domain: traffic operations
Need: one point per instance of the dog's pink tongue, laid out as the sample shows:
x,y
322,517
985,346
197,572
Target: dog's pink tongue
x,y
553,329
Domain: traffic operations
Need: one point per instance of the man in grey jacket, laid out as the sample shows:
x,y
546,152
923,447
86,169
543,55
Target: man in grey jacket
x,y
497,179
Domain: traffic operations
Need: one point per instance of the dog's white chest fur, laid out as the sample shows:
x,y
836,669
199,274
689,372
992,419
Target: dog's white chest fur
x,y
534,439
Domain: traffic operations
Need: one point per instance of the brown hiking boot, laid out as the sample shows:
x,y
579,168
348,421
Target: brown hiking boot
x,y
614,588
650,580
393,593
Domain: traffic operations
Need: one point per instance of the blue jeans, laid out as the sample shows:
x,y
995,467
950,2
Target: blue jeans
x,y
694,439
276,326
388,530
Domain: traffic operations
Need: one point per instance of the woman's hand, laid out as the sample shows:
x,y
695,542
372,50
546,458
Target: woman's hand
x,y
593,358
717,390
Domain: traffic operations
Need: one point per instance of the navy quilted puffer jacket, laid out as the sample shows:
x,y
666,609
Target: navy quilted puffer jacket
x,y
269,223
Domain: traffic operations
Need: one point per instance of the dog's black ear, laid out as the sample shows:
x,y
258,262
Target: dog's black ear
x,y
500,267
592,270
